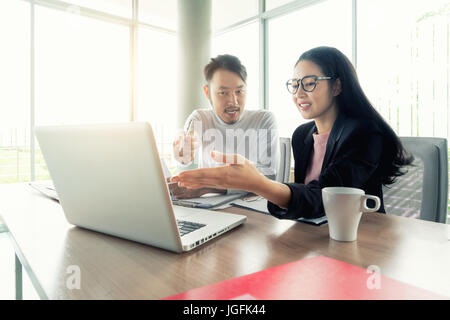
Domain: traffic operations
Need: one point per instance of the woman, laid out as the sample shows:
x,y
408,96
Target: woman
x,y
348,143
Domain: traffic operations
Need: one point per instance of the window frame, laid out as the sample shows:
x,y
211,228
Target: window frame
x,y
132,23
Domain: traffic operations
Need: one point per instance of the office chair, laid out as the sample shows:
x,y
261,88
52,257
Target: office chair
x,y
284,168
423,191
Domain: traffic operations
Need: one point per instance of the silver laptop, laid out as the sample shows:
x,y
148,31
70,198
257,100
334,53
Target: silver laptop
x,y
109,179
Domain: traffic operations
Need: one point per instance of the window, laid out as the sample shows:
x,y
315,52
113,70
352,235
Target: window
x,y
159,13
403,63
157,85
121,8
228,12
328,24
15,92
82,71
271,4
243,43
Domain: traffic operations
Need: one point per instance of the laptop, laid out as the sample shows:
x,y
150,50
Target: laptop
x,y
109,178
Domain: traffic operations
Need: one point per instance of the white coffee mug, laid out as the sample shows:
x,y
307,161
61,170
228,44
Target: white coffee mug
x,y
343,208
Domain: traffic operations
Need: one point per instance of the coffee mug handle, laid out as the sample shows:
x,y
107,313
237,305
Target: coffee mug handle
x,y
377,203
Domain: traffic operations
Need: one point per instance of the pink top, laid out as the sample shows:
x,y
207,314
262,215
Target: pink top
x,y
317,155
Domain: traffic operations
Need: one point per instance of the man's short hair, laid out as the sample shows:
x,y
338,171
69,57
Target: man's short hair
x,y
227,62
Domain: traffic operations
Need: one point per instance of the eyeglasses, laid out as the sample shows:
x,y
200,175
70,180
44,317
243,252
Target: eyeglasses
x,y
308,83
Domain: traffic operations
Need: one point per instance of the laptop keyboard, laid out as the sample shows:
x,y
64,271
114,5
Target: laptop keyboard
x,y
186,227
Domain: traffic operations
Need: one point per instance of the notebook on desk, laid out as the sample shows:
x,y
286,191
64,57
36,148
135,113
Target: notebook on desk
x,y
208,201
109,178
259,204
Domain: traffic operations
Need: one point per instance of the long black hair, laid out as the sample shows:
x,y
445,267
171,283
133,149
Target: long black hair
x,y
353,103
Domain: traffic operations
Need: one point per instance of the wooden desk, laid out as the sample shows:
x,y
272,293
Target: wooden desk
x,y
413,251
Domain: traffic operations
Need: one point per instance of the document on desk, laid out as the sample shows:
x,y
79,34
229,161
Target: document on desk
x,y
259,204
254,203
318,278
208,201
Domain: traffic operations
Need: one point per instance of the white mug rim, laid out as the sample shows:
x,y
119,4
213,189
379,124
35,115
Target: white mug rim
x,y
343,190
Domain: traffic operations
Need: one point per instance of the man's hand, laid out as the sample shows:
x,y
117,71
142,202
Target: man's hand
x,y
184,147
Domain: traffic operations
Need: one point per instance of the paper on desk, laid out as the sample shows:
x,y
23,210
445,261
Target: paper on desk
x,y
227,205
260,205
211,201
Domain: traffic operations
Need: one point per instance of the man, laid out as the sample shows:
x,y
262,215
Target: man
x,y
227,127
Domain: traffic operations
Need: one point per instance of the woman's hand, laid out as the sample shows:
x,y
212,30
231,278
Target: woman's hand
x,y
185,193
237,173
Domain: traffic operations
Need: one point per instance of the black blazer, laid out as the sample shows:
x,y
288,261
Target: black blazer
x,y
352,159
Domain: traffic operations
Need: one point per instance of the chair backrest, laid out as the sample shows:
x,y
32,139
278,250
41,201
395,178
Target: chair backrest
x,y
284,168
432,153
